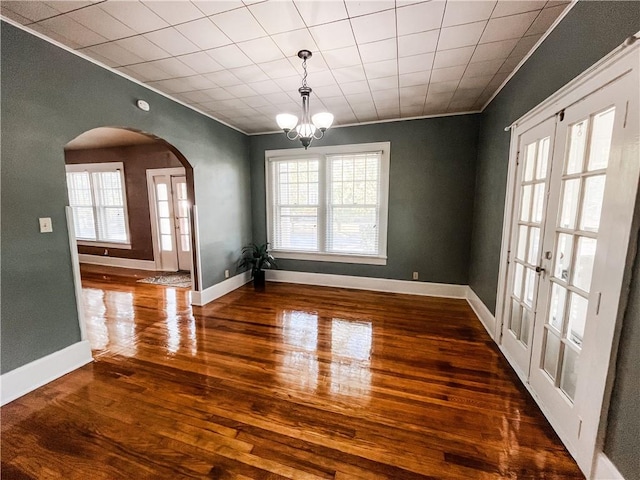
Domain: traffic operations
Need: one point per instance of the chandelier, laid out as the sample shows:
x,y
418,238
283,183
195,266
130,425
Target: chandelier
x,y
309,127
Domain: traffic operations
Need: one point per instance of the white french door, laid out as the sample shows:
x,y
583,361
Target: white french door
x,y
170,219
527,232
575,187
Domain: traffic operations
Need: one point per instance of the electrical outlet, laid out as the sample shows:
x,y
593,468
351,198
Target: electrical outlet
x,y
226,274
415,275
45,225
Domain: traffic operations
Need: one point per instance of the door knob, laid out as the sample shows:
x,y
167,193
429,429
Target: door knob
x,y
540,269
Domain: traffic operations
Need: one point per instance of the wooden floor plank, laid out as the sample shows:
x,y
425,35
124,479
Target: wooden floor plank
x,y
294,382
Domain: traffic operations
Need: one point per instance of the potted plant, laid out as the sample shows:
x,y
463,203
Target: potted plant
x,y
258,258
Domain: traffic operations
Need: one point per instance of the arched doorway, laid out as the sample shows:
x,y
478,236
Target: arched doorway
x,y
132,202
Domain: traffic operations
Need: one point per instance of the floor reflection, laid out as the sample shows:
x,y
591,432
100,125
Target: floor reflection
x,y
103,333
330,353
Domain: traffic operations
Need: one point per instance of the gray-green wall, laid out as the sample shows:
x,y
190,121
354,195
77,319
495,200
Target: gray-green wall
x,y
49,96
431,178
590,31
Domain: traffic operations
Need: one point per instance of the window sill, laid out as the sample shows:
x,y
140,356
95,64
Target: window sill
x,y
330,257
89,243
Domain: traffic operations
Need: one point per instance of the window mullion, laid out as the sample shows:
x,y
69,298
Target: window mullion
x,y
94,202
323,197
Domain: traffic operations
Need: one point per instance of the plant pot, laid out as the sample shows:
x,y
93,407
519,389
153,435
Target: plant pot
x,y
258,280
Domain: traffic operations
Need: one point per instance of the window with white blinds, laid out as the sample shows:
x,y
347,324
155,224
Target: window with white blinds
x,y
98,200
329,205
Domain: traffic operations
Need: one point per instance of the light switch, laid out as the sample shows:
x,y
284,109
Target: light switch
x,y
45,225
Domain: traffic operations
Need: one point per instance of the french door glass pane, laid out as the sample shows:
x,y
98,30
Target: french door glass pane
x,y
592,203
564,251
551,353
556,310
569,377
601,140
162,192
526,322
163,208
577,318
538,203
185,244
570,199
166,243
543,158
516,318
522,242
585,256
577,144
530,283
534,246
525,209
165,226
517,280
530,161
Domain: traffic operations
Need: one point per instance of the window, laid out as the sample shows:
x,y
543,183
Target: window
x,y
98,200
329,205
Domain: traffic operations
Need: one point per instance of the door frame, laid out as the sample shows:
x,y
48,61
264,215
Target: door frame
x,y
153,172
624,60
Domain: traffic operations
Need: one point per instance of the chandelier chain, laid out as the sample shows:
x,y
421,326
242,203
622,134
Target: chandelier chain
x,y
304,77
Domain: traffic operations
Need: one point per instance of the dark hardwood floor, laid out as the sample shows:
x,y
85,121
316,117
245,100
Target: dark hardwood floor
x,y
294,382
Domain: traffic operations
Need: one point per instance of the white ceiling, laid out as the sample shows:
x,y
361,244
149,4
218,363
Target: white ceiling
x,y
237,61
105,137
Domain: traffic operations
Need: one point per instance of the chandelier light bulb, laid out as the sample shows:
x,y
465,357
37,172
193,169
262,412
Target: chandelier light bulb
x,y
309,128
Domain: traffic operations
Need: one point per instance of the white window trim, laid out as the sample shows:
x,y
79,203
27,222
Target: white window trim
x,y
385,148
105,167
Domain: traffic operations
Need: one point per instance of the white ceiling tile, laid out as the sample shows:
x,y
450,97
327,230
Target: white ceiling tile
x,y
172,41
291,43
460,12
385,68
410,79
377,26
223,78
203,33
378,51
200,62
415,63
355,8
320,79
460,106
198,82
546,18
147,72
229,56
173,67
64,6
172,85
478,69
505,28
327,91
420,17
410,111
116,54
14,16
333,35
336,103
240,91
417,91
218,93
256,101
69,28
443,87
354,87
34,11
444,97
475,82
290,84
468,94
142,47
279,68
360,98
446,74
454,57
175,11
239,25
494,50
278,98
250,73
261,50
316,13
510,64
135,15
461,35
342,57
265,86
96,56
383,83
509,7
525,44
349,74
418,43
101,22
196,96
389,112
277,17
211,7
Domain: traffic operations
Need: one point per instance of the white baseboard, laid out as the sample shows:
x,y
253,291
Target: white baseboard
x,y
369,283
27,378
604,469
117,262
483,313
219,289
